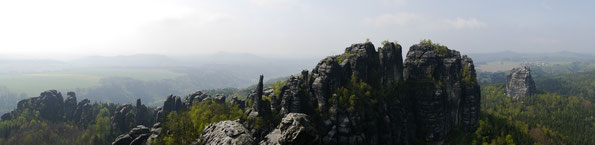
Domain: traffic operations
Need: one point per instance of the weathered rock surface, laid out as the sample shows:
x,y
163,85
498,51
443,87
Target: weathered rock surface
x,y
294,129
136,136
440,92
226,133
519,83
259,107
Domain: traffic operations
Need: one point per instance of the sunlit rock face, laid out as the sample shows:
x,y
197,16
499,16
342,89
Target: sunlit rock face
x,y
519,83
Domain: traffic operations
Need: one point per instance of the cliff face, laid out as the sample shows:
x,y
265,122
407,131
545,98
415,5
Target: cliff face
x,y
443,91
364,96
519,83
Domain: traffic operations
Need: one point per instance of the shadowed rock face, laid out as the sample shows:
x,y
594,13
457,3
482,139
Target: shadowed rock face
x,y
519,83
444,92
46,104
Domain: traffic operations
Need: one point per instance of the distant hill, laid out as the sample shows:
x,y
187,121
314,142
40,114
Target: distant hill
x,y
482,58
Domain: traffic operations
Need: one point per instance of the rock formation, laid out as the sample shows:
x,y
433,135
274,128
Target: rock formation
x,y
47,104
519,83
433,92
226,133
362,96
136,136
70,104
259,107
444,88
294,129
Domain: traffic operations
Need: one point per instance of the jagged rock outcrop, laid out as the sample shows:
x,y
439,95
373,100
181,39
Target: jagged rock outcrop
x,y
259,107
6,116
362,96
136,136
519,83
70,104
294,129
226,133
440,94
423,99
236,101
391,63
155,133
47,104
295,95
122,118
83,113
172,103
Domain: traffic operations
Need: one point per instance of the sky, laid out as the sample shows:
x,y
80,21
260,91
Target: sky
x,y
63,29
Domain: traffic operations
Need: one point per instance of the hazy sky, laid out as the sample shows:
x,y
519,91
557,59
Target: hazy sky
x,y
288,28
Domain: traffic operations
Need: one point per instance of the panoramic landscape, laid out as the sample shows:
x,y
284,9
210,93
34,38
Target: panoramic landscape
x,y
296,72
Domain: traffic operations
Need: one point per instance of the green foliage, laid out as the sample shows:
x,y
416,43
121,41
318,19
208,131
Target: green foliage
x,y
572,84
186,126
277,88
342,57
549,118
441,49
28,128
492,130
354,94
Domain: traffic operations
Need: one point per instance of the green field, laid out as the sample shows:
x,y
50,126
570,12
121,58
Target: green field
x,y
33,84
497,66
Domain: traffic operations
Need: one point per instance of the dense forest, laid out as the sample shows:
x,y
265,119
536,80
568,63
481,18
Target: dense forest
x,y
561,113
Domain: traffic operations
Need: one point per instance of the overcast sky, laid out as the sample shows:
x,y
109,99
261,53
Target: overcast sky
x,y
288,28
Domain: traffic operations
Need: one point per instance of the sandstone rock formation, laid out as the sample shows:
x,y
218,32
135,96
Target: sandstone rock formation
x,y
444,88
70,104
136,136
519,83
362,96
294,129
226,133
425,98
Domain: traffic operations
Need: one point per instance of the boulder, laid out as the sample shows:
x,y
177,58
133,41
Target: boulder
x,y
294,129
136,136
226,133
519,83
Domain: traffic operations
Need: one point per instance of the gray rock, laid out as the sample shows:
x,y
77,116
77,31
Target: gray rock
x,y
226,133
294,129
519,83
444,87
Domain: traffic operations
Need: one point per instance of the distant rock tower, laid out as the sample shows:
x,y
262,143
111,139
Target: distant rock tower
x,y
519,83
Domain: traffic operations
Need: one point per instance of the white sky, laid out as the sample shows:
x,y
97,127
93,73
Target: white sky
x,y
286,28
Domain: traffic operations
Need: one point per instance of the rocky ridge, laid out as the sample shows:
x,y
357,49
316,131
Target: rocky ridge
x,y
362,96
